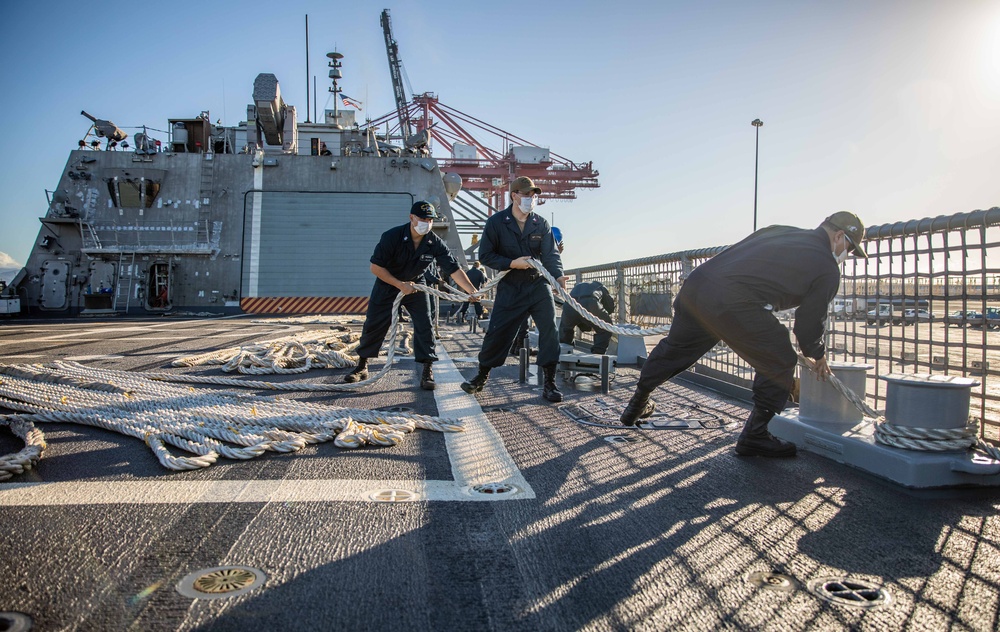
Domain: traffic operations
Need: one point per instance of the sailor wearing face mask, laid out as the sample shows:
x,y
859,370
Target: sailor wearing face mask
x,y
510,238
732,297
399,261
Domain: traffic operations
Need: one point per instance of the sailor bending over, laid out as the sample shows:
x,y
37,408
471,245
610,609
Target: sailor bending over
x,y
733,297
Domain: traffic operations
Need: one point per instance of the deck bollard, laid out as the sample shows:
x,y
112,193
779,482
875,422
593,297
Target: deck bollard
x,y
928,401
819,401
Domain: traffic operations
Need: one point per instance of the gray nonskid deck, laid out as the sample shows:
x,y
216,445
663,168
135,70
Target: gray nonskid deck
x,y
662,533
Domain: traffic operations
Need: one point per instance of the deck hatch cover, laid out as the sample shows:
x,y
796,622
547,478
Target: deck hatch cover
x,y
856,593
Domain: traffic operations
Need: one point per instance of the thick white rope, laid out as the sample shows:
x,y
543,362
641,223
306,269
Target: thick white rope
x,y
207,424
34,444
912,438
590,318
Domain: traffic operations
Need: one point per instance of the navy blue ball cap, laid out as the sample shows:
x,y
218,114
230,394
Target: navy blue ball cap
x,y
424,210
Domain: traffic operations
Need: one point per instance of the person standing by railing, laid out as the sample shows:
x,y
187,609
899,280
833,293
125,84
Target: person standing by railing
x,y
733,296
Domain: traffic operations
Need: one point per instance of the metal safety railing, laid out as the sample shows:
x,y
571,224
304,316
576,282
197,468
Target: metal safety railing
x,y
147,236
927,300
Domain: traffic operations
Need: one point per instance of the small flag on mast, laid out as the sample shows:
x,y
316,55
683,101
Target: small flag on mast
x,y
349,102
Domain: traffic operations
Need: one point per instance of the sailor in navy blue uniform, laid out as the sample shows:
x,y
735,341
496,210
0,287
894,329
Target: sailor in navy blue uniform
x,y
478,278
733,297
596,299
510,238
399,261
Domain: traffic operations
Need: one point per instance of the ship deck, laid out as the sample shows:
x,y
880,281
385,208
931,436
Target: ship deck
x,y
670,531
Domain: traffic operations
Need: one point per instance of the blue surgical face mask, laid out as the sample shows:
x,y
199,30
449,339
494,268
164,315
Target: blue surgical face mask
x,y
527,203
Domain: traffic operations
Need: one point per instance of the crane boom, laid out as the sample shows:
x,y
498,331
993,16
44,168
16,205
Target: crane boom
x,y
395,71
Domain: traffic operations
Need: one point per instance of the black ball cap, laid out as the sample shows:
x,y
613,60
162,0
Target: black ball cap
x,y
424,210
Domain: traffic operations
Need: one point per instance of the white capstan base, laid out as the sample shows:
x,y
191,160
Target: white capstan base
x,y
855,445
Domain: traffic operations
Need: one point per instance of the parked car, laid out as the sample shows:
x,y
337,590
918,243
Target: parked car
x,y
881,315
962,319
912,317
992,316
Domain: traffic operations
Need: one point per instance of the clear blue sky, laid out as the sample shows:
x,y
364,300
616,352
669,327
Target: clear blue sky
x,y
889,108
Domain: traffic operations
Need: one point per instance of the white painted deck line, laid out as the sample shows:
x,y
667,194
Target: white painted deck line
x,y
477,455
161,492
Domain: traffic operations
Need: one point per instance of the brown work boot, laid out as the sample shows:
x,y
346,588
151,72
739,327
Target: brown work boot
x,y
360,372
639,407
755,440
427,379
477,383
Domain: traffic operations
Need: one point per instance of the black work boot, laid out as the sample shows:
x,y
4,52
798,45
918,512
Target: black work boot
x,y
427,379
639,407
549,390
755,440
360,372
477,383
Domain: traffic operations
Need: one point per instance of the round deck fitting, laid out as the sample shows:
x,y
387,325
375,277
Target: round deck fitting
x,y
773,581
856,593
221,582
494,489
619,439
393,496
14,622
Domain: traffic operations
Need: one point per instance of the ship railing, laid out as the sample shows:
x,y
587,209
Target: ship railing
x,y
927,300
148,237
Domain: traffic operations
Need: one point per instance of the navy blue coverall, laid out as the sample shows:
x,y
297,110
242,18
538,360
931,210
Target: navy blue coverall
x,y
478,279
596,299
396,254
732,297
520,292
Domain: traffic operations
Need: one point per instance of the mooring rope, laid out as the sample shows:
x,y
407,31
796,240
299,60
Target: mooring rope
x,y
206,424
585,313
912,438
34,444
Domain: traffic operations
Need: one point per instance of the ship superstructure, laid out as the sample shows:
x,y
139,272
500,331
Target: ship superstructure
x,y
270,215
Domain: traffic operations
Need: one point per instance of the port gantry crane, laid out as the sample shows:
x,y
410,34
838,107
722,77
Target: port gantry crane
x,y
396,72
485,169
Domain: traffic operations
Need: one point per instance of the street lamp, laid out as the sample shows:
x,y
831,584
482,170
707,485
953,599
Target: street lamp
x,y
756,154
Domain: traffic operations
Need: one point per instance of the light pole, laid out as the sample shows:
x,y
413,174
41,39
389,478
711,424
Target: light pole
x,y
756,154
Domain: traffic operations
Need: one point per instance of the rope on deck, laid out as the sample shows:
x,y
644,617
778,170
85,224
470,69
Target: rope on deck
x,y
206,424
34,444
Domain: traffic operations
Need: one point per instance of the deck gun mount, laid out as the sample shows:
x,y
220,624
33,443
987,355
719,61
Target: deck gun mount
x,y
275,120
106,129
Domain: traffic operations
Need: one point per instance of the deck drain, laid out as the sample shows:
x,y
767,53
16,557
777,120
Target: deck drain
x,y
773,581
393,496
494,489
499,409
221,582
856,593
619,439
14,622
